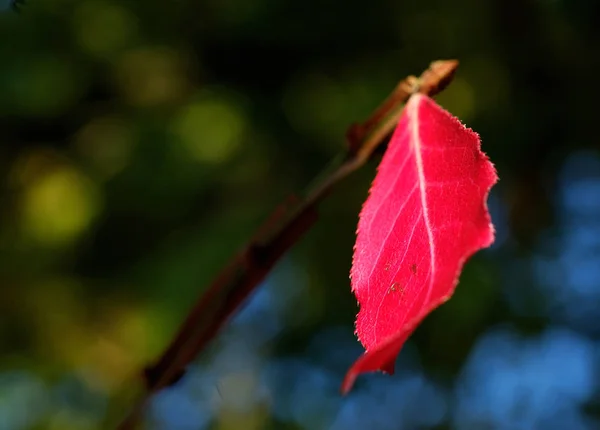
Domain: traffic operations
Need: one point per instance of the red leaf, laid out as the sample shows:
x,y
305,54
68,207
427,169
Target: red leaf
x,y
425,215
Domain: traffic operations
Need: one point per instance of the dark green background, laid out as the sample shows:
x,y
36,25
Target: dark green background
x,y
142,142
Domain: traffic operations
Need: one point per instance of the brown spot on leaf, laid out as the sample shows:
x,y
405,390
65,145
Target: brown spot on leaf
x,y
396,287
413,268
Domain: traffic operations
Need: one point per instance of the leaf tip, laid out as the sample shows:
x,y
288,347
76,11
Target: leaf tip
x,y
348,382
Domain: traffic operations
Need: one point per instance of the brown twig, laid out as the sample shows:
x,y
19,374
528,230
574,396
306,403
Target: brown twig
x,y
287,224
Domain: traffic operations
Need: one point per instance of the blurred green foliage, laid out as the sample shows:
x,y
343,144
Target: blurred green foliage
x,y
141,142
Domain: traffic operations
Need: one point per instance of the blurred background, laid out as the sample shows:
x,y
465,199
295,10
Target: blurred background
x,y
142,142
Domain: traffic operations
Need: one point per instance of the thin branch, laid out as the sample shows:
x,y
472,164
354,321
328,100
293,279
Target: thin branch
x,y
280,232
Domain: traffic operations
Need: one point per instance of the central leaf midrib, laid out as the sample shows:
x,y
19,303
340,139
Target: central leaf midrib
x,y
413,122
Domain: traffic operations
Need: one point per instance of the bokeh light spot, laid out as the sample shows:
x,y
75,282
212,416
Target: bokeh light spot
x,y
58,205
211,129
511,381
23,400
152,76
102,28
107,143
